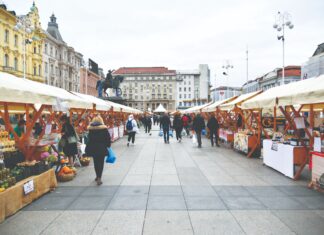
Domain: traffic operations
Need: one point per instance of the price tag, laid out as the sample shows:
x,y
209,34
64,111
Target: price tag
x,y
274,146
29,187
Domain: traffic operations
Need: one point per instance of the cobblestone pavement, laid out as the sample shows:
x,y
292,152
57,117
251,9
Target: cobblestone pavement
x,y
176,188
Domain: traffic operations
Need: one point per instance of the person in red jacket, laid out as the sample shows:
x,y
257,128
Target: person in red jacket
x,y
185,123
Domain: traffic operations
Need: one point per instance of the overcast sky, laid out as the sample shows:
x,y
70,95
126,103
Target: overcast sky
x,y
180,34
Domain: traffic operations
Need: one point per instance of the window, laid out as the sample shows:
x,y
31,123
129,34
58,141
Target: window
x,y
16,64
46,47
185,96
46,67
6,36
35,70
179,89
39,70
189,96
184,89
16,40
51,51
180,103
6,60
35,50
189,88
180,96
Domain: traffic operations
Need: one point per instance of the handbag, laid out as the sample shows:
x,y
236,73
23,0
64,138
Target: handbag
x,y
111,158
72,140
194,139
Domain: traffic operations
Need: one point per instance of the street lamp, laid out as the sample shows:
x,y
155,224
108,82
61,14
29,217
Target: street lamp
x,y
24,24
227,65
283,20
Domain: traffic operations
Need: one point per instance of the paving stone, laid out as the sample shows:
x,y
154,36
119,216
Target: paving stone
x,y
99,191
260,222
128,202
167,222
137,180
214,222
282,203
50,203
302,222
132,190
231,191
121,223
74,222
90,203
166,203
194,190
28,222
161,190
298,191
205,203
165,180
265,191
242,203
67,191
316,202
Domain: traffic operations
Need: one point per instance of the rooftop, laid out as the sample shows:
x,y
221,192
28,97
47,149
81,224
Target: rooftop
x,y
144,70
319,49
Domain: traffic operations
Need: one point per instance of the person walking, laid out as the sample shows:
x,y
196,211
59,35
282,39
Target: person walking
x,y
98,142
198,125
131,128
185,123
148,125
213,127
70,148
177,125
165,125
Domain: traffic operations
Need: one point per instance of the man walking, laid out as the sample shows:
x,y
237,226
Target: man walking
x,y
165,124
131,127
213,127
148,125
177,125
198,125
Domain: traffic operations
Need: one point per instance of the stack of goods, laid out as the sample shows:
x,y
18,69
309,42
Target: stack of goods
x,y
33,167
63,171
8,151
85,161
6,179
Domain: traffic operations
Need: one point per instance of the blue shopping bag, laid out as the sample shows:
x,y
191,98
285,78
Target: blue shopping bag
x,y
111,158
203,132
161,133
171,133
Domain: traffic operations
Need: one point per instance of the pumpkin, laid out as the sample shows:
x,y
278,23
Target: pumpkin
x,y
67,170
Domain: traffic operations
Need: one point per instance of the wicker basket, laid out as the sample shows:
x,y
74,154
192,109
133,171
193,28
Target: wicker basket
x,y
84,162
65,177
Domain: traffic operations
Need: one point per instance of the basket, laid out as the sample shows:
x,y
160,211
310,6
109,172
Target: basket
x,y
84,162
65,177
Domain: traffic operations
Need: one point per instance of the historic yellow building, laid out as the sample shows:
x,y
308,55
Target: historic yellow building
x,y
12,44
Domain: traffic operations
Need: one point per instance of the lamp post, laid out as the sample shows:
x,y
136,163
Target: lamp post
x,y
283,20
227,65
24,24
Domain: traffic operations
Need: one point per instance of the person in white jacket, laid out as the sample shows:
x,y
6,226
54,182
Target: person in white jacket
x,y
131,128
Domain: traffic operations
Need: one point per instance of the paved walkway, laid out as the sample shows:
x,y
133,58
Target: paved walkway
x,y
155,188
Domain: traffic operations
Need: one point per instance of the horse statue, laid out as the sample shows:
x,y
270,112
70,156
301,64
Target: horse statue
x,y
112,82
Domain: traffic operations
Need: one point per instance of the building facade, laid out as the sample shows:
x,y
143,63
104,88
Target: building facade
x,y
315,64
12,45
145,88
61,62
192,87
251,86
225,92
88,82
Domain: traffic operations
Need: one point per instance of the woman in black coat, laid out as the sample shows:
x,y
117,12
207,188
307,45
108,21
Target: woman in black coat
x,y
70,147
98,142
178,125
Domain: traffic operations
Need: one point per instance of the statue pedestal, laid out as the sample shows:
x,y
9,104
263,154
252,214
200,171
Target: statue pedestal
x,y
115,99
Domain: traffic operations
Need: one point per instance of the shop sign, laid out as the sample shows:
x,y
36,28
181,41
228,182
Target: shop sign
x,y
267,122
274,146
29,187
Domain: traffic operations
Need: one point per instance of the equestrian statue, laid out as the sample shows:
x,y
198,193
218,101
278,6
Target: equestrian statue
x,y
110,81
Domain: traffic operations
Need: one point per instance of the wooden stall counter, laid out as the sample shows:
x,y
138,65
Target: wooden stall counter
x,y
284,157
226,135
317,165
243,143
14,198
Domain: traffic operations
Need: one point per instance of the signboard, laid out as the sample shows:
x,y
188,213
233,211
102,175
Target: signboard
x,y
267,122
29,187
274,146
93,66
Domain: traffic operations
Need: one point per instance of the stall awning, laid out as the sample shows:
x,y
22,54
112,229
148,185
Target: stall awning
x,y
101,105
196,109
238,101
213,106
308,91
18,90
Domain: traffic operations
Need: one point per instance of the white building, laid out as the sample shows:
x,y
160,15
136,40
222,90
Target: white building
x,y
251,86
192,87
61,62
224,92
315,65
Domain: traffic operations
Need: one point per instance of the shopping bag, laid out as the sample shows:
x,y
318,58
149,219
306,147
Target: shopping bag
x,y
161,133
171,133
194,139
203,132
111,158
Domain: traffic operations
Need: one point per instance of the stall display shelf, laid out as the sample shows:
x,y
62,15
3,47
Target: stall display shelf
x,y
226,135
283,157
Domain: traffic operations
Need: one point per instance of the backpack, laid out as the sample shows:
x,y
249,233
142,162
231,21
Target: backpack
x,y
129,125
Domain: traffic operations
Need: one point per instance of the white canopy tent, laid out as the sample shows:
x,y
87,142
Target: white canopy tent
x,y
196,109
231,105
213,106
101,105
160,109
308,91
18,90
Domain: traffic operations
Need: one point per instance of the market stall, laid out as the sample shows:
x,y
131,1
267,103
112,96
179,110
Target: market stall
x,y
301,104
